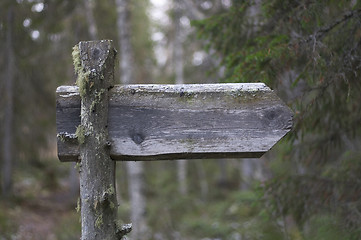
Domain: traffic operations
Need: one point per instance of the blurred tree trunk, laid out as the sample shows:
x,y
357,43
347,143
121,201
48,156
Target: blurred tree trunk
x,y
192,10
9,108
178,44
74,184
126,58
247,170
203,184
135,169
182,176
136,195
179,79
223,176
89,11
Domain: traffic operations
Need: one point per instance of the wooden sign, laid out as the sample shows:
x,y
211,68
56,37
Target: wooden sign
x,y
154,122
151,122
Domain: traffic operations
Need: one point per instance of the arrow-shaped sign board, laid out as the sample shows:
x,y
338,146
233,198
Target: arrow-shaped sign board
x,y
154,122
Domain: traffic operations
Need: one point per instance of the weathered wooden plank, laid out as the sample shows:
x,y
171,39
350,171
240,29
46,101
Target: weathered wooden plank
x,y
153,122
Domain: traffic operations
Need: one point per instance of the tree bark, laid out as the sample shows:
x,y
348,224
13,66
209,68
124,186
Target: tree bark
x,y
94,63
9,108
135,169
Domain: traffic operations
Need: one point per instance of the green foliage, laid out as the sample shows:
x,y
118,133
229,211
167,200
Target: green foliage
x,y
320,42
326,227
315,170
237,215
225,213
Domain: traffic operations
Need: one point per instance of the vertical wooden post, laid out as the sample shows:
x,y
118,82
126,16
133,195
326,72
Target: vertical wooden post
x,y
94,64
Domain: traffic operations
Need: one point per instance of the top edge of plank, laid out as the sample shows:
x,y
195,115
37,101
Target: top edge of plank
x,y
217,87
67,89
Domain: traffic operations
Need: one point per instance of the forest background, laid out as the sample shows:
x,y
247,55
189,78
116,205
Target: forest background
x,y
309,52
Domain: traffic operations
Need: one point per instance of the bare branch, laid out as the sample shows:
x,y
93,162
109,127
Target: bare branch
x,y
320,33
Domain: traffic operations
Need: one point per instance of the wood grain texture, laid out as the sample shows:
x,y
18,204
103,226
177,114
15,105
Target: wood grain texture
x,y
155,122
94,63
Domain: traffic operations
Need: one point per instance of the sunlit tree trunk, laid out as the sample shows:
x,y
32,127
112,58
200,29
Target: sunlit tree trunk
x,y
9,108
135,169
203,183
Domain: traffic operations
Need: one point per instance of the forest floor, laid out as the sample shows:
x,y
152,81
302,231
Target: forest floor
x,y
40,217
46,216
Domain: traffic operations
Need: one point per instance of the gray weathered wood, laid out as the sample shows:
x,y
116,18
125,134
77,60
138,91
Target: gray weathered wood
x,y
153,122
94,63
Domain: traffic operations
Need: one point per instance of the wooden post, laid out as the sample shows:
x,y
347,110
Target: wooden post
x,y
94,64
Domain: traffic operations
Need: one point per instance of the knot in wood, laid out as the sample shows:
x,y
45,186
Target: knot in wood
x,y
95,53
138,138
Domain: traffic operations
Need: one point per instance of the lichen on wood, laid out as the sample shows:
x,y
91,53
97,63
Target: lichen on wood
x,y
66,137
80,134
76,58
82,74
94,64
99,221
78,205
98,98
123,229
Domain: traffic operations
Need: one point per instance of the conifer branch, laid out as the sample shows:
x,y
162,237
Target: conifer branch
x,y
320,33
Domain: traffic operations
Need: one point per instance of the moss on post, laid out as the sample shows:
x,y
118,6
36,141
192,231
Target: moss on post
x,y
82,74
94,65
80,134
